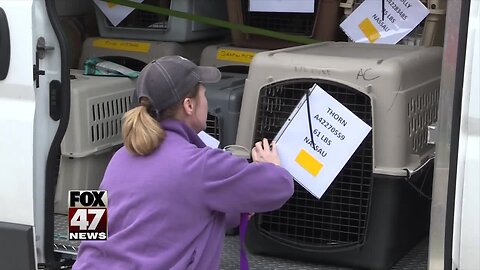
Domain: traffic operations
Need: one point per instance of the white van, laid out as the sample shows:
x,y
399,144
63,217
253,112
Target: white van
x,y
35,105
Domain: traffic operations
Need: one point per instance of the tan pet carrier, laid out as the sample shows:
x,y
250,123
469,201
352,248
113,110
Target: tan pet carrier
x,y
377,208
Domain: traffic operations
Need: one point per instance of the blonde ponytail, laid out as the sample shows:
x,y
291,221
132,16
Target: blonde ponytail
x,y
141,133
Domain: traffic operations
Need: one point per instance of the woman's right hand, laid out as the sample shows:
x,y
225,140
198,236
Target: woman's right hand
x,y
263,153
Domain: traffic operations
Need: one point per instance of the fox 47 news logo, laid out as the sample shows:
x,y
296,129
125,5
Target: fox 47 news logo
x,y
87,215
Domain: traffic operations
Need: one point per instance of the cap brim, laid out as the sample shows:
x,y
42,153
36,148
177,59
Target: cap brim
x,y
209,74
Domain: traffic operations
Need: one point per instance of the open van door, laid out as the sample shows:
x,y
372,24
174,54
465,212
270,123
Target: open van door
x,y
34,100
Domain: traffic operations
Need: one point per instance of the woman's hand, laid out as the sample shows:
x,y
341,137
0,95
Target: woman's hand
x,y
262,152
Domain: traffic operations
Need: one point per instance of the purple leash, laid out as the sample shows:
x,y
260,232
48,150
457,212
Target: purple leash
x,y
243,232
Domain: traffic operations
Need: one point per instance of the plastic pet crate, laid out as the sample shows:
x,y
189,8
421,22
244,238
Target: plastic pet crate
x,y
79,173
135,54
430,32
93,133
370,215
224,103
149,26
228,58
321,25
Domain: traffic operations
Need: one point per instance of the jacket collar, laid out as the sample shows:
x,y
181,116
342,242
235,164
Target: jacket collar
x,y
182,129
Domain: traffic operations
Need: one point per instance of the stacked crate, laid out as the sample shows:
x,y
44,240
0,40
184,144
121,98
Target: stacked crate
x,y
321,25
141,25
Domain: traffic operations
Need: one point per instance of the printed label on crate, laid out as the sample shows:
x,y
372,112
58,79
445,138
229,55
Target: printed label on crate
x,y
115,13
336,132
372,23
298,6
235,55
122,45
87,215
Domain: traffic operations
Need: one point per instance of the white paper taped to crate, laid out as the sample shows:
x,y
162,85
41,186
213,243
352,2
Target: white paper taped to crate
x,y
115,13
337,133
297,6
400,17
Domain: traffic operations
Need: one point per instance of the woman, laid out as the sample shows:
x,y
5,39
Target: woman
x,y
171,198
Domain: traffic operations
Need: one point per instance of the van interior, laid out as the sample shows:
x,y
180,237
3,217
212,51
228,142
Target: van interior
x,y
368,218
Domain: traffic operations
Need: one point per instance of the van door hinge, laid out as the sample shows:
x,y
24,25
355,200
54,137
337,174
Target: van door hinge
x,y
42,49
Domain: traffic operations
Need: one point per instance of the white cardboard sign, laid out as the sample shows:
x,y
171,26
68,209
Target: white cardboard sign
x,y
115,13
298,6
400,17
337,133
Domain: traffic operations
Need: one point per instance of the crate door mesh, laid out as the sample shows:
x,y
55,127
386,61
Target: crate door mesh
x,y
340,217
293,23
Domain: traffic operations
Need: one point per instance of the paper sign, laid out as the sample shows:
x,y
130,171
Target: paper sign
x,y
400,17
208,139
337,133
296,6
115,13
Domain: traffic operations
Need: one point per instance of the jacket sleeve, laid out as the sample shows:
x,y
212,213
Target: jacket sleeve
x,y
232,185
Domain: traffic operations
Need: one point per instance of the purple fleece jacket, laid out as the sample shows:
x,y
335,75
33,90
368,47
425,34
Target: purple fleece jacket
x,y
170,209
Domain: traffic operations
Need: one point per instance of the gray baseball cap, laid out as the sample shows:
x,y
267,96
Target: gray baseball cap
x,y
169,79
